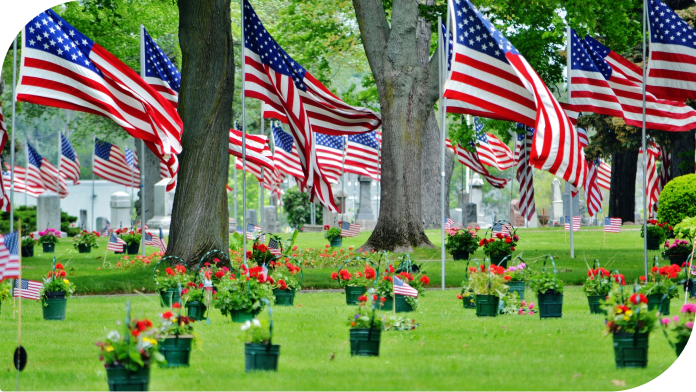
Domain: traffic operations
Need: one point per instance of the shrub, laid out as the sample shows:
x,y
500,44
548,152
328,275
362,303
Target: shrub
x,y
298,208
678,200
28,216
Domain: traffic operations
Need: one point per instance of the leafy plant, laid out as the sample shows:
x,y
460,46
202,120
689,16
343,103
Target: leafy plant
x,y
657,230
172,325
678,200
365,315
395,322
487,281
257,331
385,286
517,273
134,349
49,236
462,241
632,316
172,278
86,239
514,306
543,282
598,282
56,281
283,275
661,281
332,233
298,208
4,290
356,279
130,236
28,241
244,294
677,247
679,329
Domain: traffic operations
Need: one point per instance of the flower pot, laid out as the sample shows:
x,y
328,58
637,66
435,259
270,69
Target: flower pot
x,y
195,310
239,316
653,243
49,248
518,287
678,259
84,248
122,379
487,305
54,304
595,305
133,248
284,297
497,260
679,347
259,356
631,350
692,288
353,293
337,242
177,351
470,302
401,304
550,304
365,341
460,256
654,303
27,251
169,297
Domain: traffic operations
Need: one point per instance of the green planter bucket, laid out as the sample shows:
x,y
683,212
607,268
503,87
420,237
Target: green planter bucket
x,y
550,305
49,248
653,243
470,302
679,347
460,256
692,289
84,249
631,350
353,293
365,342
497,260
240,317
654,303
27,251
487,305
133,249
122,379
401,305
169,297
518,287
259,356
284,297
678,259
195,310
595,305
335,243
54,305
177,351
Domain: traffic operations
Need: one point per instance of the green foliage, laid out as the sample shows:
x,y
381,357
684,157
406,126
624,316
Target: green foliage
x,y
631,316
678,200
86,238
27,214
49,236
502,245
656,230
488,282
4,290
67,224
257,331
459,241
298,208
172,278
242,295
332,233
136,348
543,281
365,316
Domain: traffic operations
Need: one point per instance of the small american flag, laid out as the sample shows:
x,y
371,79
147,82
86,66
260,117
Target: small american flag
x,y
69,163
348,230
251,229
9,256
163,245
576,223
491,150
273,247
115,243
30,289
402,288
502,228
593,196
153,240
448,224
612,225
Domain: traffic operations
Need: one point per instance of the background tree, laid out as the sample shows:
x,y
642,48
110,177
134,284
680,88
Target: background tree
x,y
298,208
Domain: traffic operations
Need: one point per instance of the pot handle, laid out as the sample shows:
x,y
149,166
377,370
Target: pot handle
x,y
270,316
205,256
154,271
501,223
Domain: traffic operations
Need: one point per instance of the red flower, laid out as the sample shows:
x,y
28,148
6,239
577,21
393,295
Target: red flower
x,y
167,315
334,276
382,299
483,241
282,284
327,227
507,278
184,291
220,274
369,272
59,266
459,296
169,271
135,332
62,274
362,298
512,248
391,269
508,240
499,235
250,255
653,269
425,280
140,325
638,298
176,305
642,278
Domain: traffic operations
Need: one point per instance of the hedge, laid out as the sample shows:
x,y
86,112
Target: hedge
x,y
678,200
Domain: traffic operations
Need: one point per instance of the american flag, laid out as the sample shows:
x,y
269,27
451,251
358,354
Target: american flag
x,y
285,153
271,179
604,175
61,67
69,163
448,224
652,187
9,256
3,130
30,289
19,184
164,173
273,247
297,99
665,169
257,149
502,228
576,223
349,229
163,245
471,160
251,229
593,196
4,200
612,225
116,244
525,173
110,164
582,133
491,151
672,72
362,155
160,73
491,79
132,160
330,155
43,175
402,288
153,240
596,88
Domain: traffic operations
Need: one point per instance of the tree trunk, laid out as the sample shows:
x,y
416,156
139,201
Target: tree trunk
x,y
431,188
150,163
682,154
622,196
200,214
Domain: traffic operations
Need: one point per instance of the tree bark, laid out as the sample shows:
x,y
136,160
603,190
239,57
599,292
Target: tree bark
x,y
622,196
682,154
431,188
200,214
150,163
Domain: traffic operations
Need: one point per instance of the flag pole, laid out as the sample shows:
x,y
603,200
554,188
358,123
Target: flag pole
x,y
94,146
343,179
443,112
143,158
263,180
570,190
58,165
645,152
19,287
244,206
12,151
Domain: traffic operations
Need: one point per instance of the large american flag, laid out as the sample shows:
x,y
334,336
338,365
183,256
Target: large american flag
x,y
597,88
132,160
593,196
257,149
9,256
297,99
330,155
525,172
61,67
672,71
69,163
604,175
665,168
491,151
471,160
4,199
362,155
20,186
3,130
43,175
612,225
285,153
402,288
652,186
160,72
115,243
110,164
576,223
491,79
271,179
30,289
349,229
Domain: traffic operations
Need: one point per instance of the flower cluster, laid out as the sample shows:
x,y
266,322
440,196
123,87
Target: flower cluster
x,y
260,253
134,349
514,306
175,324
679,329
599,282
29,241
172,278
129,236
631,317
329,257
86,238
49,236
138,261
677,248
356,279
658,230
517,273
244,294
284,275
56,281
660,280
385,286
502,244
332,233
366,314
462,241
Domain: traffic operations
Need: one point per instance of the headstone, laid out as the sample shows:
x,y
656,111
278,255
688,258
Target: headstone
x,y
120,210
516,219
567,201
48,211
270,219
84,224
164,202
329,218
312,228
456,215
476,197
340,200
101,224
463,198
469,213
232,225
556,201
251,217
365,206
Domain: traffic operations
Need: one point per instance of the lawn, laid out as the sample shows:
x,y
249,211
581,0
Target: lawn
x,y
451,350
623,251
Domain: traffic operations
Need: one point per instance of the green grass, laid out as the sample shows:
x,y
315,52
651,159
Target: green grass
x,y
624,251
451,350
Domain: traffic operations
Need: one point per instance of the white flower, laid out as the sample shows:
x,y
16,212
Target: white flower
x,y
246,325
256,323
114,336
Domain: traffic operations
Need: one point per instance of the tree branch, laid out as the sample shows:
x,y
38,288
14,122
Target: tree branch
x,y
374,32
433,92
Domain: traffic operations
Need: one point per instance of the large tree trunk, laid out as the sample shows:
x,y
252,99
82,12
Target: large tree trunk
x,y
200,215
682,154
622,196
431,188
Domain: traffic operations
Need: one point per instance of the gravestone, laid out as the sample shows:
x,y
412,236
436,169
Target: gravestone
x,y
251,217
556,201
232,225
567,201
365,206
516,219
463,197
456,215
469,214
48,211
476,197
102,223
121,209
270,219
164,203
83,220
312,228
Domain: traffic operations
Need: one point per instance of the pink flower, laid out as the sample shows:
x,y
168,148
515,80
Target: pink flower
x,y
675,319
531,305
523,303
521,311
689,325
530,312
688,308
665,321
